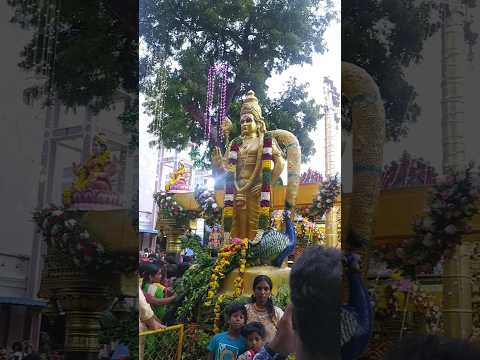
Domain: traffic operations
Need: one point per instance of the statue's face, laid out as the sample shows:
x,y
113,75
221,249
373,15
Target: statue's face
x,y
248,124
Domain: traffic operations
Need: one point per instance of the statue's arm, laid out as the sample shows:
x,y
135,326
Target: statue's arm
x,y
219,161
278,161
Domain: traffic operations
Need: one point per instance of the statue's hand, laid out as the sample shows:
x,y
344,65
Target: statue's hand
x,y
256,189
217,158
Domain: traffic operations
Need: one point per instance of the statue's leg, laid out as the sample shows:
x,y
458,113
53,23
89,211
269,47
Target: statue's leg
x,y
240,220
253,208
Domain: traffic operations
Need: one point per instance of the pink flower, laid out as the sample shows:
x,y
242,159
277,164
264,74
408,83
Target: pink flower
x,y
405,285
237,241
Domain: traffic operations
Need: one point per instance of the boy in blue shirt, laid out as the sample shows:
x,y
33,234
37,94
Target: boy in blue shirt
x,y
228,345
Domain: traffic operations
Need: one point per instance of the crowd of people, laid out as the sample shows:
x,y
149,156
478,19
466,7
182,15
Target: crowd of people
x,y
20,350
315,325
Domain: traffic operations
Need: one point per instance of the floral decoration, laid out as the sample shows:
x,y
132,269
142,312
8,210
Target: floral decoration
x,y
169,208
396,293
451,206
311,177
229,255
210,211
64,231
408,171
325,198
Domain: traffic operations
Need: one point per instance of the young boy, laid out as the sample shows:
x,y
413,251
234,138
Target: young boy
x,y
228,345
255,334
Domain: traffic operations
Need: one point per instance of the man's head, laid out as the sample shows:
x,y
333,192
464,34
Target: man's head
x,y
236,317
315,291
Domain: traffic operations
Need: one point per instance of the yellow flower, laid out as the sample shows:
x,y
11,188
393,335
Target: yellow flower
x,y
396,276
267,164
265,211
228,211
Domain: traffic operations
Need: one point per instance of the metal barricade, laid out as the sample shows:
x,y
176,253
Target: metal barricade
x,y
162,344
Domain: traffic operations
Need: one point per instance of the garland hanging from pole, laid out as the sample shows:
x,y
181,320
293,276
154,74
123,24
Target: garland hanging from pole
x,y
216,71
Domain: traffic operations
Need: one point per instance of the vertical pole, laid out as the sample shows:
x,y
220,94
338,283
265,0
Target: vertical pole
x,y
457,289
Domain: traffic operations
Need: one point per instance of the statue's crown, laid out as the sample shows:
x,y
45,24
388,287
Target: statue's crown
x,y
250,106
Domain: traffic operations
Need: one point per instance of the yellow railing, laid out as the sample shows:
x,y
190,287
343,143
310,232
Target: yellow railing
x,y
162,344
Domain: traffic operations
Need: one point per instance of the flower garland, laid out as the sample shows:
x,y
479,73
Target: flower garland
x,y
450,209
325,198
63,230
267,162
267,165
224,262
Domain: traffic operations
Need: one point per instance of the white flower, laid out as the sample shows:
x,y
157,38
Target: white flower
x,y
70,223
214,205
450,229
55,229
84,235
57,212
427,223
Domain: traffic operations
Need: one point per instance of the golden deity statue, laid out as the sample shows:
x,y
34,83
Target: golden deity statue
x,y
255,161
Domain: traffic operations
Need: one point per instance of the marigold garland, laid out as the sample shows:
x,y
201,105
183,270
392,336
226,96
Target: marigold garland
x,y
267,165
224,261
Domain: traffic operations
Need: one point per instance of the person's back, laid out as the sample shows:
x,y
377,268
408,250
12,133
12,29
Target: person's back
x,y
433,347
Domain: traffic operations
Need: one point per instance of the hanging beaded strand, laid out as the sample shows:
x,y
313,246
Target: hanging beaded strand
x,y
220,71
208,105
223,98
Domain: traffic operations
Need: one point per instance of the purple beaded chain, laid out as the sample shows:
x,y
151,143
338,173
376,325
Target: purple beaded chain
x,y
220,71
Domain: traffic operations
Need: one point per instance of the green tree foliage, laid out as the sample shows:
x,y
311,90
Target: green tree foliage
x,y
255,38
384,37
95,56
